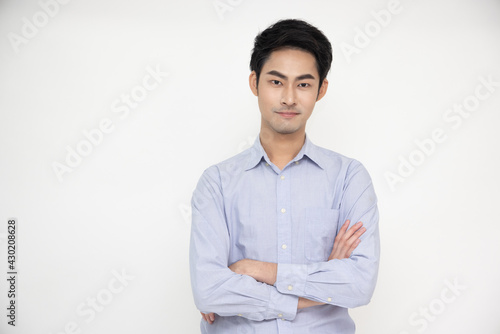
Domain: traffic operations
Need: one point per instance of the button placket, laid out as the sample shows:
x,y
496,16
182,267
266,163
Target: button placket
x,y
284,216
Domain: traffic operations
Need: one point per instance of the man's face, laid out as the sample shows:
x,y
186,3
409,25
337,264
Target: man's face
x,y
287,90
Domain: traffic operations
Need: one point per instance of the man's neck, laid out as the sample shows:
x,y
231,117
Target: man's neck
x,y
281,148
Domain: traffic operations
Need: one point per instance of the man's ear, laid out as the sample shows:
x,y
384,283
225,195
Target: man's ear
x,y
322,90
252,81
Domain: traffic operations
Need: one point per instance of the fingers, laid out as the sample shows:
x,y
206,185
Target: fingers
x,y
204,316
353,235
347,240
354,229
208,317
345,226
344,235
340,235
343,230
352,248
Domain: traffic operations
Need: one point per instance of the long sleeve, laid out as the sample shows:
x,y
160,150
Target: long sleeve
x,y
215,287
348,282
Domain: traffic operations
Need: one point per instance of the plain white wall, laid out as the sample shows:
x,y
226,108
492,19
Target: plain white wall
x,y
124,207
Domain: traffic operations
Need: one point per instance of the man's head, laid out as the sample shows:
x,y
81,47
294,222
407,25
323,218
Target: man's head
x,y
289,64
293,34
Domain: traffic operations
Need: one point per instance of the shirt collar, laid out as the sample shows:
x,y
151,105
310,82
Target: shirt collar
x,y
308,149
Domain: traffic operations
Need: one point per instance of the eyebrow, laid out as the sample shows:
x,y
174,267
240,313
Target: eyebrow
x,y
282,76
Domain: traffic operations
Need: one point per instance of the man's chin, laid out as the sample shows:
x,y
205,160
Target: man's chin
x,y
283,129
286,131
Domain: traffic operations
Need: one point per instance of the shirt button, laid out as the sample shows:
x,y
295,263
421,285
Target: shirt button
x,y
239,315
283,210
280,315
267,164
283,246
282,177
329,299
296,162
290,288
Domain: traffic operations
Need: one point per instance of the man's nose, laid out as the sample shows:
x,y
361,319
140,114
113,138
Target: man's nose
x,y
288,97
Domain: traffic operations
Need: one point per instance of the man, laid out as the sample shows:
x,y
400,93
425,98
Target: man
x,y
272,247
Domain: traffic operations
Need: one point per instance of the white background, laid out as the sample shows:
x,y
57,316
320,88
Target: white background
x,y
125,206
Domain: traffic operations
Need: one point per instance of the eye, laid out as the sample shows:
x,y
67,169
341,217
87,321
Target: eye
x,y
304,85
276,82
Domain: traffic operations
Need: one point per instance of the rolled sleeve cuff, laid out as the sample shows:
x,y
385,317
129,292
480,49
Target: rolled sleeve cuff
x,y
282,306
291,279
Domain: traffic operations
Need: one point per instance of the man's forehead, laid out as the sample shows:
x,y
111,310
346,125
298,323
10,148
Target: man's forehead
x,y
291,63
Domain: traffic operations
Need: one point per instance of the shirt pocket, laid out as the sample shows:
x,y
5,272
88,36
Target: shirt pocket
x,y
320,231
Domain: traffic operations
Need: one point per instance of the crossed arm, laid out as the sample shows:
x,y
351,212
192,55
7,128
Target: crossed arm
x,y
266,272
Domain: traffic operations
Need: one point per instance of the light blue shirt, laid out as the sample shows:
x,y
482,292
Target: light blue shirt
x,y
246,207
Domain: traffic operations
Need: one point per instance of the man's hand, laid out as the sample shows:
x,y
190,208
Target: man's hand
x,y
346,240
208,317
264,272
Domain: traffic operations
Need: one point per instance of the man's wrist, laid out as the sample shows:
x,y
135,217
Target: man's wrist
x,y
304,303
269,272
264,272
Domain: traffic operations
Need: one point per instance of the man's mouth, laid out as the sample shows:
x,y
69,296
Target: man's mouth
x,y
287,114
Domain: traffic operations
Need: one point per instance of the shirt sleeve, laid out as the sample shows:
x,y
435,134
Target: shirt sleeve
x,y
348,282
215,287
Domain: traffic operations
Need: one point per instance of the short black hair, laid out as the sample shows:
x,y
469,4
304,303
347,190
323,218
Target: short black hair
x,y
294,34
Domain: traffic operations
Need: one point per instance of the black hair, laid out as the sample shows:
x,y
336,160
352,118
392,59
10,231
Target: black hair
x,y
294,34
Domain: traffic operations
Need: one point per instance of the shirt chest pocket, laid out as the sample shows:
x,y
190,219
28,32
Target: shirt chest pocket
x,y
320,231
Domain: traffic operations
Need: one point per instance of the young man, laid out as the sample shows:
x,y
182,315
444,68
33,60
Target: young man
x,y
284,235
